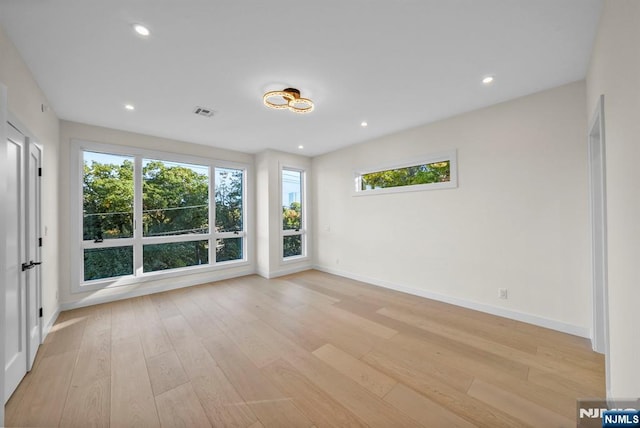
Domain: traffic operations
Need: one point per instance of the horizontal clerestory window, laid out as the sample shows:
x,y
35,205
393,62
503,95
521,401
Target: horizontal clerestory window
x,y
433,172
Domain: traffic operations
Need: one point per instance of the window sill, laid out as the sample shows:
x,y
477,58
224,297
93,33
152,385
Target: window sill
x,y
294,259
404,189
156,276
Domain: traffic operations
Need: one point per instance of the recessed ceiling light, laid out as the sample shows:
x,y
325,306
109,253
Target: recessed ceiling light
x,y
301,147
129,107
488,80
141,29
364,124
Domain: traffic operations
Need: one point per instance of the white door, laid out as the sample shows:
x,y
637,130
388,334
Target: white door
x,y
33,243
16,299
23,322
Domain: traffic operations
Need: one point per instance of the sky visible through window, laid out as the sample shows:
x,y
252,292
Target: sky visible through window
x,y
291,185
104,158
107,159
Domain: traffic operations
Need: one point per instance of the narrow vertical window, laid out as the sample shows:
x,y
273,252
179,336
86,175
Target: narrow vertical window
x,y
293,215
229,231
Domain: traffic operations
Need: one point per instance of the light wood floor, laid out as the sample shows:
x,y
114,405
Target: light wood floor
x,y
305,350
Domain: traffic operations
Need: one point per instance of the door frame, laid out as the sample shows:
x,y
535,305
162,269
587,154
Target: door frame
x,y
30,145
3,273
598,217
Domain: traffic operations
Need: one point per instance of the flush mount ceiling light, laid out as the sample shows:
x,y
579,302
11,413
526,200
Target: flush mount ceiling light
x,y
488,80
288,98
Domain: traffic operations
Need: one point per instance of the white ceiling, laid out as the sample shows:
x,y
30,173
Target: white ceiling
x,y
395,64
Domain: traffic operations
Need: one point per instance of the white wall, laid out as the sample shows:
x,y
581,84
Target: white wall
x,y
263,201
518,219
75,131
269,223
615,72
25,100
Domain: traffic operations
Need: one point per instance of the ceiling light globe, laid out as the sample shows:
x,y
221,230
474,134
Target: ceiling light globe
x,y
488,80
301,105
277,99
141,29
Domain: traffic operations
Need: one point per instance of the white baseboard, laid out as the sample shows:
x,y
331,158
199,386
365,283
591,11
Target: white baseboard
x,y
482,307
182,283
283,272
263,273
52,320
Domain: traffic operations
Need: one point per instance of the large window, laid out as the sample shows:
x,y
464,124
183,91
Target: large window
x,y
293,213
143,214
438,171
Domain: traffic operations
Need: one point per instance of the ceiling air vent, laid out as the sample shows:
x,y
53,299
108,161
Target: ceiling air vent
x,y
203,111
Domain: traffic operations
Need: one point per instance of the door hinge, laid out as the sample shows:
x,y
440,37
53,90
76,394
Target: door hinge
x,y
40,312
39,242
39,172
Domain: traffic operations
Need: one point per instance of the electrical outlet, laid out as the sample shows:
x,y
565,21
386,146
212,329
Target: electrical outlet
x,y
502,293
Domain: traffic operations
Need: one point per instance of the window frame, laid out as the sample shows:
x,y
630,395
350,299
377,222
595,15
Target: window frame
x,y
137,241
303,222
450,156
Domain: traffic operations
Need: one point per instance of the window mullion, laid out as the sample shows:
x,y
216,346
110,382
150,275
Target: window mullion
x,y
224,235
137,216
157,240
109,243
